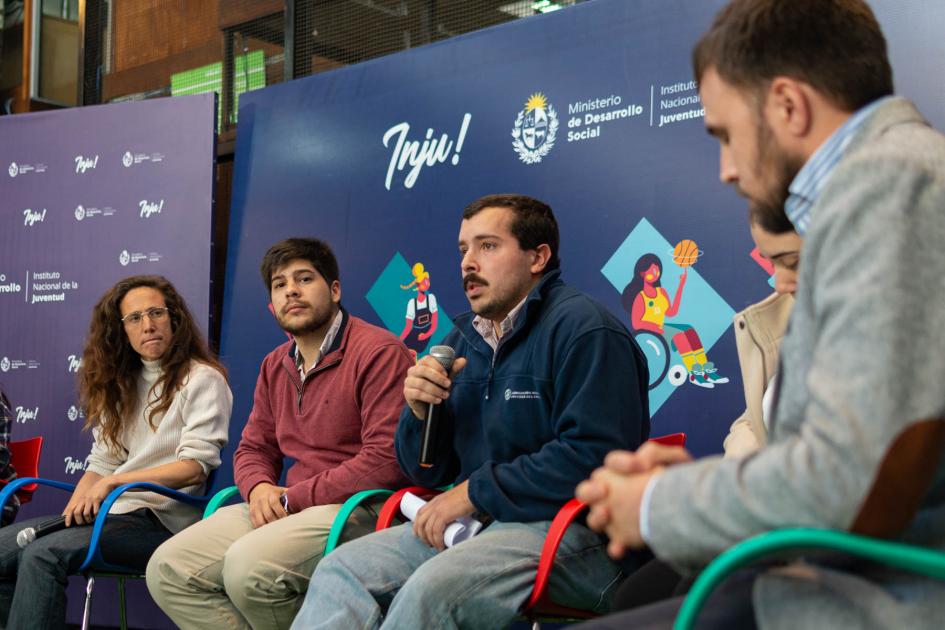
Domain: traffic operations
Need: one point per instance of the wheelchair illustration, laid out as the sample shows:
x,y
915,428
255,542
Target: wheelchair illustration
x,y
659,359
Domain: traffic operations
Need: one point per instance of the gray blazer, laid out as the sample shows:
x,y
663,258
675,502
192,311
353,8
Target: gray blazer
x,y
851,446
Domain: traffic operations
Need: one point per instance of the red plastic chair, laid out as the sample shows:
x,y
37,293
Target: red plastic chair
x,y
24,455
391,508
539,605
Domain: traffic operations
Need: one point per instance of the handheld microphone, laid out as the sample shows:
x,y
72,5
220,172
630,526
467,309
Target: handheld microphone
x,y
445,356
29,534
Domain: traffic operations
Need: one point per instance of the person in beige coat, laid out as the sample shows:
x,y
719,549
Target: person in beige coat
x,y
758,333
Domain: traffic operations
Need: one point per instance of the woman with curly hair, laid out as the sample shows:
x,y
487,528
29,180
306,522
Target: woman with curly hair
x,y
158,405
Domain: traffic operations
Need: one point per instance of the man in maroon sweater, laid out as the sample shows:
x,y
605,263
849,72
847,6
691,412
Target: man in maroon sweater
x,y
330,400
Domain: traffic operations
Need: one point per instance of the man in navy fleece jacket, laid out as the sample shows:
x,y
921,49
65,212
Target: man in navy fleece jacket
x,y
546,382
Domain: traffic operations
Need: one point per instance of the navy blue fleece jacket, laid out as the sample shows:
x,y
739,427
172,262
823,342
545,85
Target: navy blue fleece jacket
x,y
566,385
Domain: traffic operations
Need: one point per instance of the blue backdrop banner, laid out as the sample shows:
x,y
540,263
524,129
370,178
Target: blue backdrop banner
x,y
592,109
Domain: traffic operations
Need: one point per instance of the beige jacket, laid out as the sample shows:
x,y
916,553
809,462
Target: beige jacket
x,y
758,333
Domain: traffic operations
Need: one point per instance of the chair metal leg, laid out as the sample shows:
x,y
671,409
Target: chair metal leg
x,y
122,608
89,585
536,625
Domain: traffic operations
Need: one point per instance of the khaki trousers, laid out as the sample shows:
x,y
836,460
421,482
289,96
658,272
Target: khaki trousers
x,y
222,573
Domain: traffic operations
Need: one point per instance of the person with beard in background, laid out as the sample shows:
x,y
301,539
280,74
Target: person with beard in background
x,y
329,399
799,96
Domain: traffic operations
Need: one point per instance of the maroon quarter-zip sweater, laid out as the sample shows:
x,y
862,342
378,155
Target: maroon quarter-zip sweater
x,y
338,424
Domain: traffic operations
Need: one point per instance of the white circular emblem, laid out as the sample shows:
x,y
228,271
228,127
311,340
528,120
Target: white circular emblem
x,y
13,170
79,213
73,413
127,159
4,364
508,394
124,258
536,127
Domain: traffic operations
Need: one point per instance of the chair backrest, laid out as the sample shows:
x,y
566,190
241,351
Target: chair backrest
x,y
673,439
24,455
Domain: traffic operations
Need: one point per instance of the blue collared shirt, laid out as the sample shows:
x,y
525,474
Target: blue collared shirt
x,y
810,180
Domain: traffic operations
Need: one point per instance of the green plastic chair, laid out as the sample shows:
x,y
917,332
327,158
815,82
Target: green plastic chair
x,y
349,506
219,499
922,560
337,525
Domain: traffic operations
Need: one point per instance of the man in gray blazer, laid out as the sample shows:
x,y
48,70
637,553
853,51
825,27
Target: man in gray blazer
x,y
798,94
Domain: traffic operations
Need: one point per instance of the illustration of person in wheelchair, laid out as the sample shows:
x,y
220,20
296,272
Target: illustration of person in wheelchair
x,y
648,305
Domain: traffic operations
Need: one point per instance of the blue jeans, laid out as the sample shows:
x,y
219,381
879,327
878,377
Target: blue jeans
x,y
33,580
729,606
390,579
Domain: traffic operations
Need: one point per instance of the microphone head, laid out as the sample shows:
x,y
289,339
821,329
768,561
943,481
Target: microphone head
x,y
444,355
25,537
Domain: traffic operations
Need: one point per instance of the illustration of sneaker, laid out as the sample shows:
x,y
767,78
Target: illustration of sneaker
x,y
713,375
699,379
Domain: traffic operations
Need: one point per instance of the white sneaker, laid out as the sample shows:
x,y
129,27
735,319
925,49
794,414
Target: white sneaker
x,y
713,375
700,380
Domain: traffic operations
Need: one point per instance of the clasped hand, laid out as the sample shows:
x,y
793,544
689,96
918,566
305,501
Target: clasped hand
x,y
615,490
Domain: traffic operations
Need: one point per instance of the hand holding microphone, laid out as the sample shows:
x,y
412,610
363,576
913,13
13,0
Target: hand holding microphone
x,y
427,385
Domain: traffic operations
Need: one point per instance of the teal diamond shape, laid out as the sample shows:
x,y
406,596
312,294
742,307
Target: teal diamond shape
x,y
389,301
702,307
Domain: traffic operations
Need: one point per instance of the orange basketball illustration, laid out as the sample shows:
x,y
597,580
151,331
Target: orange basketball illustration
x,y
685,253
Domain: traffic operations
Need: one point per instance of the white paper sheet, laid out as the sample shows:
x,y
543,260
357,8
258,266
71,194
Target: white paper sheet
x,y
456,532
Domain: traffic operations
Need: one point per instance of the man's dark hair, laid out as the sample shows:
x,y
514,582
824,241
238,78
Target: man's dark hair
x,y
310,249
534,223
771,222
836,46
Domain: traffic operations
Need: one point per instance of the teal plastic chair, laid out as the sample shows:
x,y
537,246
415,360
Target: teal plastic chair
x,y
800,541
347,508
219,499
337,525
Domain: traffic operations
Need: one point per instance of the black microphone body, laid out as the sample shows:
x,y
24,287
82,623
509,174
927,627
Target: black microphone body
x,y
29,534
444,355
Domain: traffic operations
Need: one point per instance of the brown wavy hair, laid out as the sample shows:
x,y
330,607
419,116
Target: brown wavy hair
x,y
110,367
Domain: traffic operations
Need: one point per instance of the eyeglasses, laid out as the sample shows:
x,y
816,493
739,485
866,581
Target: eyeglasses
x,y
155,314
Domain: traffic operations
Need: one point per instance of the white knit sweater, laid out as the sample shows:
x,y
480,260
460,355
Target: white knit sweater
x,y
195,426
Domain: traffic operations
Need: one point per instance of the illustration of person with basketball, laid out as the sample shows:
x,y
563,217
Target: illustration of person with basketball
x,y
648,305
421,315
